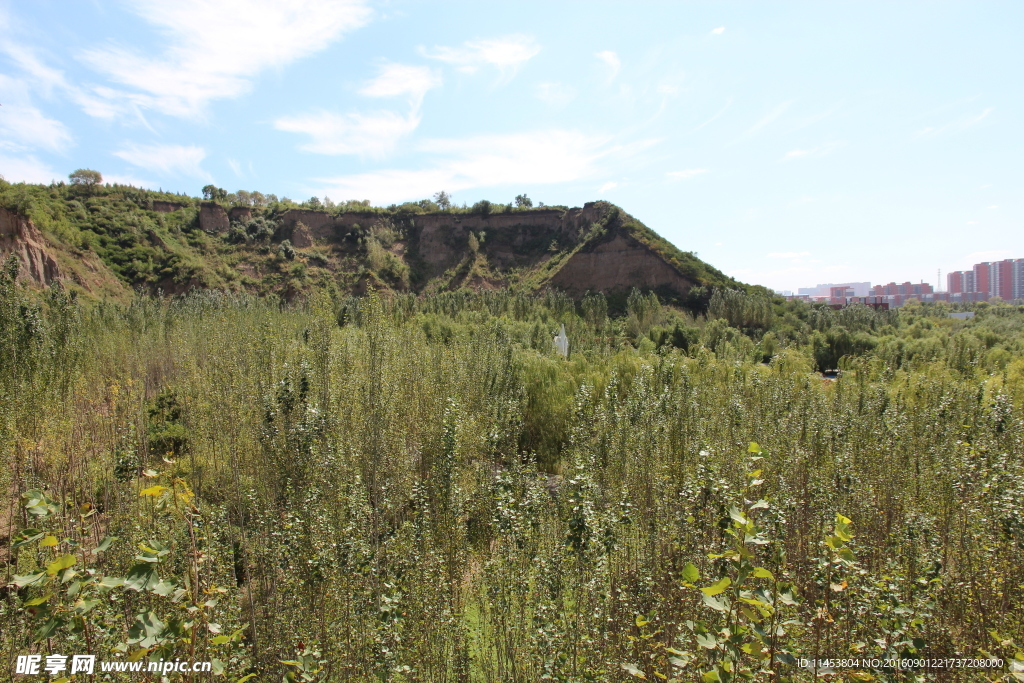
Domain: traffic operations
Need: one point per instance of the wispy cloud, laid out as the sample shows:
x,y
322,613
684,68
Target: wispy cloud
x,y
717,115
686,174
813,152
507,54
373,135
22,125
541,157
610,185
959,124
718,31
402,79
989,255
555,94
611,62
167,160
214,49
235,167
767,119
26,169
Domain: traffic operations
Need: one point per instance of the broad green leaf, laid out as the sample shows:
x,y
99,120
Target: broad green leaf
x,y
138,654
762,573
38,504
26,536
142,577
61,563
220,640
83,606
48,542
633,670
154,491
690,573
38,601
715,603
707,640
787,598
717,587
753,448
218,667
146,629
105,544
27,580
640,621
164,587
49,628
711,677
111,582
243,679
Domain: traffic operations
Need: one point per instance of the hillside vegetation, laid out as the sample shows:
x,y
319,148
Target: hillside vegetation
x,y
407,488
160,242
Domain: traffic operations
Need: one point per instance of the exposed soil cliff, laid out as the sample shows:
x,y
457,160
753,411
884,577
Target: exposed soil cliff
x,y
19,236
213,218
618,264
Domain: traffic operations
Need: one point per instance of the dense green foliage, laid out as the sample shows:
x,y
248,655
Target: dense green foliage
x,y
419,489
153,241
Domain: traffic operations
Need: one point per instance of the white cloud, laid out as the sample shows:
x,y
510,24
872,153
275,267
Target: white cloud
x,y
543,157
983,256
215,47
235,167
813,152
507,53
789,254
718,31
768,118
26,169
612,61
610,185
555,94
686,174
367,135
119,179
959,124
168,160
23,126
401,79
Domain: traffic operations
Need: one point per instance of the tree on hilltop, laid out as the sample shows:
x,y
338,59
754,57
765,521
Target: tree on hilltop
x,y
214,192
443,200
523,202
86,177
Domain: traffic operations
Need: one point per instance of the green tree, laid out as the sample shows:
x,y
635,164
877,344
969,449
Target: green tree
x,y
86,177
214,192
443,200
523,202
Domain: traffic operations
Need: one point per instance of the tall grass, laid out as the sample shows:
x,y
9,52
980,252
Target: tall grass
x,y
427,492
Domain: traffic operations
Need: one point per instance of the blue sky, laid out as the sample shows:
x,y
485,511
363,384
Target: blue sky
x,y
786,143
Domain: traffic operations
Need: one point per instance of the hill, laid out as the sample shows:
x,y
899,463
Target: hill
x,y
109,240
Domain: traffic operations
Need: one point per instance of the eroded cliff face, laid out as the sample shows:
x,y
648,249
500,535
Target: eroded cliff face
x,y
616,265
213,218
19,236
